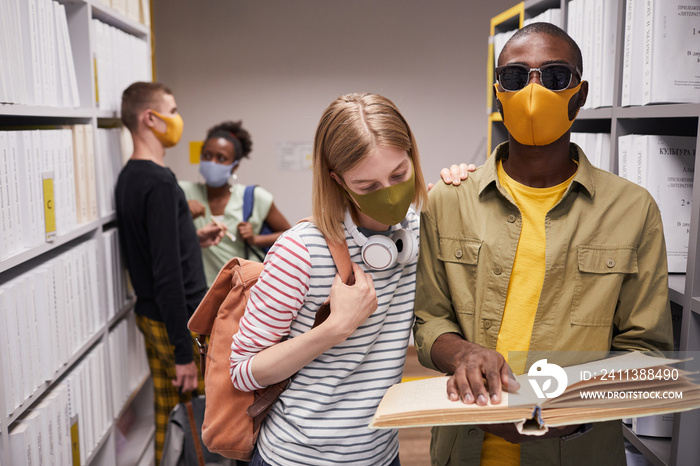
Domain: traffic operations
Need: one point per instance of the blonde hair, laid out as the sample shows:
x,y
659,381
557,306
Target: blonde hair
x,y
350,128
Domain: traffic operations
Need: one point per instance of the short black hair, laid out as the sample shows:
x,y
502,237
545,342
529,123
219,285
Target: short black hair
x,y
551,30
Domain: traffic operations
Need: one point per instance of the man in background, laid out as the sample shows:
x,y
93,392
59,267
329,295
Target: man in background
x,y
161,247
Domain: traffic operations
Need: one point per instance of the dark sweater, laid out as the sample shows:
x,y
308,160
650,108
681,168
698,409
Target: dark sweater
x,y
161,249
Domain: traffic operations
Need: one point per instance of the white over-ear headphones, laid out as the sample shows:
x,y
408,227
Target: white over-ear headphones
x,y
381,252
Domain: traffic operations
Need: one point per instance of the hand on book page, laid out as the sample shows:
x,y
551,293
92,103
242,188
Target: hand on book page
x,y
481,380
479,374
631,385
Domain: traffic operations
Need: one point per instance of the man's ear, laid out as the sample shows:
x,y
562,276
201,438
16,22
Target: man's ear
x,y
498,102
583,93
578,100
148,118
499,107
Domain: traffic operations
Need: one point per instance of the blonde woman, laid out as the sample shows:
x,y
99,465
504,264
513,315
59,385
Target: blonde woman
x,y
367,175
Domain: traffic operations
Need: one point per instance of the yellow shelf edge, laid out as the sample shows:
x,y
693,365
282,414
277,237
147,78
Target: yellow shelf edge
x,y
517,10
489,76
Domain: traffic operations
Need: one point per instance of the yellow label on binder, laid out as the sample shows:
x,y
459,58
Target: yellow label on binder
x,y
97,89
49,207
195,151
75,442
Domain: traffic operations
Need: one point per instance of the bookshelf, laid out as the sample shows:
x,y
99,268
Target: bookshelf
x,y
75,375
657,119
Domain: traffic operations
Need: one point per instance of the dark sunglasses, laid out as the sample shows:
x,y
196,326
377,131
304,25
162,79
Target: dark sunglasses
x,y
555,77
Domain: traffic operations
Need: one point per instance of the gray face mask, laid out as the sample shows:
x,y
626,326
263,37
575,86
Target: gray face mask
x,y
216,174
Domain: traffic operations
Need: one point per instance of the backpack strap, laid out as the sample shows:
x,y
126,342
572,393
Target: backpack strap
x,y
249,249
196,436
248,201
341,258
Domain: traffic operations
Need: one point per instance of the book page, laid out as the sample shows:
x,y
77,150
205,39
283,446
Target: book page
x,y
424,402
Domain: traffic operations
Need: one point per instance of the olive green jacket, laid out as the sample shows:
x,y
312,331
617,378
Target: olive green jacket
x,y
605,284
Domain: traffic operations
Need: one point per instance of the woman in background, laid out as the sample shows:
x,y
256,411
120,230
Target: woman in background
x,y
219,199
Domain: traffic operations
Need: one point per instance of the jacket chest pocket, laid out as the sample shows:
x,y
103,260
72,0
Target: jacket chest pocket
x,y
461,257
601,271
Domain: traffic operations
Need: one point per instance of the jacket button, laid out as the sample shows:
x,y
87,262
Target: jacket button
x,y
610,263
511,218
472,433
487,324
497,270
458,253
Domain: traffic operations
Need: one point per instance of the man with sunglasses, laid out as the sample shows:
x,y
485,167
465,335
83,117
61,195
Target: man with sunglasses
x,y
536,251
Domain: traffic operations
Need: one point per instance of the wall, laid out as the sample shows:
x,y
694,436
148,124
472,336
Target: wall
x,y
277,64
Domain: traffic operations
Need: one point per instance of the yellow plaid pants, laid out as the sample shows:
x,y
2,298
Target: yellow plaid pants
x,y
161,360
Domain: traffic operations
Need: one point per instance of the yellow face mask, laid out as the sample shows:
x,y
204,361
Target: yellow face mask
x,y
173,129
536,116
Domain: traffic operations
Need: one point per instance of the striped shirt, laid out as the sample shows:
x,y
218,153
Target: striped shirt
x,y
322,418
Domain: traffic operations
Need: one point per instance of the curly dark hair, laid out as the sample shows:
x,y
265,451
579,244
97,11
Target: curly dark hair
x,y
233,132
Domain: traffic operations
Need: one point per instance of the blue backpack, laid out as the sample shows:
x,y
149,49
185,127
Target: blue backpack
x,y
248,201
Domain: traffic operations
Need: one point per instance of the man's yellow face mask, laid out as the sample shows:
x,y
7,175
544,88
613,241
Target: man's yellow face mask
x,y
535,115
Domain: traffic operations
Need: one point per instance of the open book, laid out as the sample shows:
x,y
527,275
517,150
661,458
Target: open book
x,y
630,385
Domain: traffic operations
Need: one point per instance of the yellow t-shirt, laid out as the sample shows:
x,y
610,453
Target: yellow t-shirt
x,y
523,293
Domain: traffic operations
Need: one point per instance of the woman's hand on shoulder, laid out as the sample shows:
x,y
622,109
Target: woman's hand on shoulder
x,y
351,305
455,174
